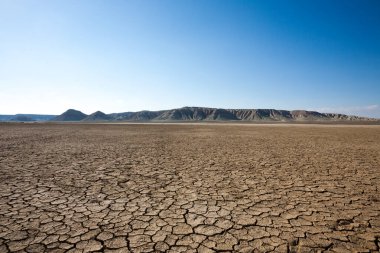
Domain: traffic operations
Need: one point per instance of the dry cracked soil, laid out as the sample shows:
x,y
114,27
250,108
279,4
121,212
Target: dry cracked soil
x,y
189,188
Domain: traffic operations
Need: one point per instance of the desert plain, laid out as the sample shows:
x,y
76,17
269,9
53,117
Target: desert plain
x,y
189,188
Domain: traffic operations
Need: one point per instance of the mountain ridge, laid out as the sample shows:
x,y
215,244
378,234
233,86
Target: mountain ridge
x,y
97,116
219,114
193,113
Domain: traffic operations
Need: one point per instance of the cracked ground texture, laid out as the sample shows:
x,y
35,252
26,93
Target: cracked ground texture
x,y
189,188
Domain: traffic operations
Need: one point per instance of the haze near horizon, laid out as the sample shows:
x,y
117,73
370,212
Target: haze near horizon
x,y
117,56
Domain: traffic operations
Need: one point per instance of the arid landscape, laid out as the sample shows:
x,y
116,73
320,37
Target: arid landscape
x,y
189,188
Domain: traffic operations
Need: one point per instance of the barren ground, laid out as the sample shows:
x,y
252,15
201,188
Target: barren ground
x,y
193,188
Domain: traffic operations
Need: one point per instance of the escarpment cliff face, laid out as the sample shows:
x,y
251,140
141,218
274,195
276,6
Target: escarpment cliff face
x,y
209,114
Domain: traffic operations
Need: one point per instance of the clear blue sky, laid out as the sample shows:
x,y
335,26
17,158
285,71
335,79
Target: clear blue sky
x,y
118,56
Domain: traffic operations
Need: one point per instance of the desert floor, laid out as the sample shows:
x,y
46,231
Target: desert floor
x,y
189,188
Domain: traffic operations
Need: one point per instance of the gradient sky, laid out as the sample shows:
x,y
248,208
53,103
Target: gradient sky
x,y
118,56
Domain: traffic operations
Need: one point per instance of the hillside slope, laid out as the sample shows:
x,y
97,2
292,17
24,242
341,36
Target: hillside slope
x,y
70,115
97,116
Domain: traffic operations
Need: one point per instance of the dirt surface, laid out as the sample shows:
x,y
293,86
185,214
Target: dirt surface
x,y
192,188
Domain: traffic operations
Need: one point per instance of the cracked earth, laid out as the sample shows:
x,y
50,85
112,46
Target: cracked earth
x,y
189,188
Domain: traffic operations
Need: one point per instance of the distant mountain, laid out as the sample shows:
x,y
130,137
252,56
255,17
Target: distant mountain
x,y
70,115
215,114
192,114
6,117
197,113
200,113
26,117
22,118
97,116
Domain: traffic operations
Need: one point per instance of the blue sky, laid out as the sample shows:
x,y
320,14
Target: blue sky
x,y
118,56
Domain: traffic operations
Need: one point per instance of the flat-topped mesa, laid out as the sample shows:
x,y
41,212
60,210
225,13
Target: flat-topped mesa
x,y
26,117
